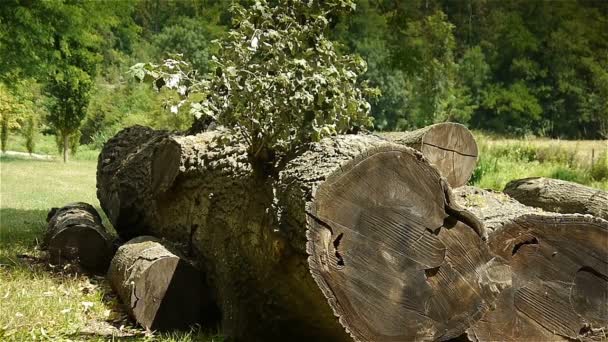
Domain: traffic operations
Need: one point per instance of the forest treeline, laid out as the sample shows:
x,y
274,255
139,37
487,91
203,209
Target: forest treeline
x,y
511,67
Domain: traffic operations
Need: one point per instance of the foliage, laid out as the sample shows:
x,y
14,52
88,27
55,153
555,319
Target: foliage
x,y
30,132
277,79
9,114
20,110
70,88
599,169
511,67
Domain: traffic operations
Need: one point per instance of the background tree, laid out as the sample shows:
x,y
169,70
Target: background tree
x,y
511,67
11,114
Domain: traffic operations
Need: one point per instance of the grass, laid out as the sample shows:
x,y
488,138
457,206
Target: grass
x,y
45,144
502,160
40,302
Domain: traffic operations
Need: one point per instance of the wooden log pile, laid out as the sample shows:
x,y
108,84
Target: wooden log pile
x,y
360,237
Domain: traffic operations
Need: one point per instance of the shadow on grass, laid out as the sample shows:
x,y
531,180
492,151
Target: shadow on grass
x,y
4,158
20,231
21,261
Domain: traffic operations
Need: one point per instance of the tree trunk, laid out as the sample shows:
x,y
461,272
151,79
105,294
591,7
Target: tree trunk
x,y
559,266
449,146
66,146
559,196
355,227
160,290
75,233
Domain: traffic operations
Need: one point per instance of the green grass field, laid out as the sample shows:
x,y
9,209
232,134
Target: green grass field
x,y
39,302
502,160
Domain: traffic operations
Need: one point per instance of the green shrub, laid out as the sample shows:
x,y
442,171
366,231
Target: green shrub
x,y
569,174
599,170
29,133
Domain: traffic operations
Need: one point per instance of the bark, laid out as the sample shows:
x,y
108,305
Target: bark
x,y
559,264
160,290
559,196
449,146
355,227
75,233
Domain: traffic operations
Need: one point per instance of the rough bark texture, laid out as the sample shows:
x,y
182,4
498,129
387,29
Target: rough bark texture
x,y
132,170
356,227
559,266
559,196
75,233
449,146
160,290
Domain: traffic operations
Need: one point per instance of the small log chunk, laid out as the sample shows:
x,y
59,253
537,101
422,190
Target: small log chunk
x,y
160,290
449,146
355,227
559,196
559,265
75,233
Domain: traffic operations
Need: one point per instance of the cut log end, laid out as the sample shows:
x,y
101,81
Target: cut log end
x,y
393,263
559,287
449,146
160,290
82,244
75,234
452,148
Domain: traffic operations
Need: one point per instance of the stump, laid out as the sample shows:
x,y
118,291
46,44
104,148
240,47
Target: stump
x,y
160,290
449,146
559,266
559,196
75,233
355,227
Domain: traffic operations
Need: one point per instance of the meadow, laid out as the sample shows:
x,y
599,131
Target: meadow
x,y
41,302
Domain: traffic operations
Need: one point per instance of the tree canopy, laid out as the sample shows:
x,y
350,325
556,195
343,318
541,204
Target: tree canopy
x,y
514,67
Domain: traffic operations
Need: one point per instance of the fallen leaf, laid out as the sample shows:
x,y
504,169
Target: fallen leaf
x,y
87,305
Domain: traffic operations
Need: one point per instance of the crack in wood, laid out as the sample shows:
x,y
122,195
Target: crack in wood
x,y
450,150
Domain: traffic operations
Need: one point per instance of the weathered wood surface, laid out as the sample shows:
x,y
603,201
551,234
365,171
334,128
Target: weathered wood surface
x,y
356,227
449,146
75,233
559,265
559,196
159,289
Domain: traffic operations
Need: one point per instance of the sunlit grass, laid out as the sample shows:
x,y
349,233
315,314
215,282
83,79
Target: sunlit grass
x,y
40,302
502,160
46,145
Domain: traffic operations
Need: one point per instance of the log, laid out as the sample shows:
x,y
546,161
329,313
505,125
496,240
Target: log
x,y
449,146
559,196
122,197
355,227
559,265
75,233
160,290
